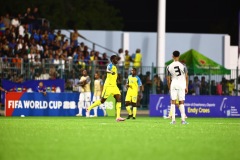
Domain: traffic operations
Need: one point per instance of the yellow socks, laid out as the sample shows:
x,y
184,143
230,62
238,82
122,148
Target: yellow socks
x,y
134,111
118,108
128,108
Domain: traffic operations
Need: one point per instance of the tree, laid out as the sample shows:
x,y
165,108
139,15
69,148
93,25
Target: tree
x,y
80,14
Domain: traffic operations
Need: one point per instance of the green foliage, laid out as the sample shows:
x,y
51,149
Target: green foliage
x,y
80,14
54,138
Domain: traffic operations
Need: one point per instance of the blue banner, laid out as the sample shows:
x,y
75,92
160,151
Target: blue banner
x,y
198,106
53,104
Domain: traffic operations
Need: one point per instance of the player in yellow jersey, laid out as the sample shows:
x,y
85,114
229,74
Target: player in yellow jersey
x,y
85,95
110,88
133,84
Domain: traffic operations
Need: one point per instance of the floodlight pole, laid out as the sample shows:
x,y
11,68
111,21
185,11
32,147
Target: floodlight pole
x,y
161,29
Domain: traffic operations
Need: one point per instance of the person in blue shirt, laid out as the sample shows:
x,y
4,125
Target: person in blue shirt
x,y
41,88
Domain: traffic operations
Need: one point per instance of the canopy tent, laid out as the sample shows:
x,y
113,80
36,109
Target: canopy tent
x,y
199,64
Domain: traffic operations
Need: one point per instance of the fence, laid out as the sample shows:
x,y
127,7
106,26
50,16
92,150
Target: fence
x,y
70,70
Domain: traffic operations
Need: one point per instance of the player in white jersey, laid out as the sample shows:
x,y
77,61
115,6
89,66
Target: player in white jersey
x,y
177,80
85,95
98,87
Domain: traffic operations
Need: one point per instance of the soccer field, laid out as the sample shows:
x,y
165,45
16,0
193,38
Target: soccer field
x,y
146,138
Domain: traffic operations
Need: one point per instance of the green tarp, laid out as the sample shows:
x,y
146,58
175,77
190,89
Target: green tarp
x,y
199,64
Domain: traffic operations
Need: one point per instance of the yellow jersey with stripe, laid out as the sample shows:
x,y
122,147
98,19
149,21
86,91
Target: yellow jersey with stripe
x,y
134,82
111,80
86,87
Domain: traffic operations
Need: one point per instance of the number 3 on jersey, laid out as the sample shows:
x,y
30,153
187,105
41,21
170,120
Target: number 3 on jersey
x,y
177,70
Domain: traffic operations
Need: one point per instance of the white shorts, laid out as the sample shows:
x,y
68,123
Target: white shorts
x,y
177,94
85,96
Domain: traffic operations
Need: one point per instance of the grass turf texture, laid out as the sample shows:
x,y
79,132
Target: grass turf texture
x,y
54,138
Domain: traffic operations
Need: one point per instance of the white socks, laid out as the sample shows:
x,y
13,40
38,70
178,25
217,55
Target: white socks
x,y
173,109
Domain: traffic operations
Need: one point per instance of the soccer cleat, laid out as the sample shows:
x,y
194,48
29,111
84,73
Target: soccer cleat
x,y
173,122
167,117
129,116
87,113
134,117
79,115
184,122
120,119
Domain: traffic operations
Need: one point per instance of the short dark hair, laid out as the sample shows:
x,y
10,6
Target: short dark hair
x,y
134,69
176,53
112,57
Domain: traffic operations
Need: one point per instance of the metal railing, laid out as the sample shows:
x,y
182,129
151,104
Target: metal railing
x,y
14,70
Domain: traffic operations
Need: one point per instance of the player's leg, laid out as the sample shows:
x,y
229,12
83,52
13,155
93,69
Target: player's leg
x,y
128,108
181,105
170,111
173,102
80,104
98,102
117,96
134,105
128,105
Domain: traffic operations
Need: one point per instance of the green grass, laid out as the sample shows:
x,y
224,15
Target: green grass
x,y
54,138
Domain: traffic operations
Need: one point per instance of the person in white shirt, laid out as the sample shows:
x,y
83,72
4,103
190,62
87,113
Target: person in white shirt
x,y
122,57
177,80
98,87
85,95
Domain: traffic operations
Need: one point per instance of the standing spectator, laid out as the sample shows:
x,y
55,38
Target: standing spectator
x,y
122,59
35,17
213,87
219,89
15,22
127,60
231,86
98,86
196,85
104,60
7,21
190,87
28,18
85,95
224,86
137,59
147,82
74,37
177,79
204,86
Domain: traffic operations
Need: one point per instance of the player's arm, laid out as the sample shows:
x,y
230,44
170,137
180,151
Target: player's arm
x,y
82,83
186,90
2,89
168,77
186,76
127,84
109,69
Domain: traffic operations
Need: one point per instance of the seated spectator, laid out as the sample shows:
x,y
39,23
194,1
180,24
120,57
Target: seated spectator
x,y
44,75
41,88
